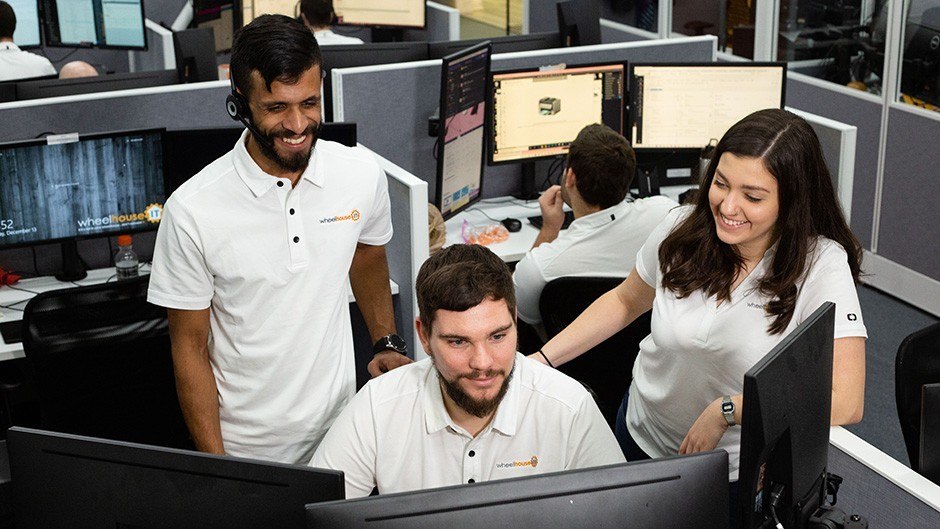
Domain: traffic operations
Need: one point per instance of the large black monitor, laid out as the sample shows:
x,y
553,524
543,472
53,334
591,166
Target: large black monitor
x,y
502,44
410,14
579,22
62,480
27,34
89,85
682,491
461,144
350,55
677,109
195,55
536,113
111,24
785,425
920,73
63,188
223,16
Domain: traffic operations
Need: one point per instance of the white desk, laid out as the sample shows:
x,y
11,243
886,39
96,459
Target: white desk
x,y
18,298
515,247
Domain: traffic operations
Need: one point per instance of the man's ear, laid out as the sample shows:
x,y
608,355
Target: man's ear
x,y
569,179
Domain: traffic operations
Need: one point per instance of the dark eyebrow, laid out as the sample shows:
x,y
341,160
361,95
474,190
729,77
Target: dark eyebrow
x,y
464,338
747,187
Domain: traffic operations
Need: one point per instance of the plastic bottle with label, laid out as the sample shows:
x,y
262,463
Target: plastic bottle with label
x,y
125,260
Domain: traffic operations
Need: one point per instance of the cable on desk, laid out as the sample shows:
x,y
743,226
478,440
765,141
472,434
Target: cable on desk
x,y
482,213
23,289
11,307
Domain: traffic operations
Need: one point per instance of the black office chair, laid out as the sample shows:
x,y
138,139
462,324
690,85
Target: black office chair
x,y
102,363
608,367
917,363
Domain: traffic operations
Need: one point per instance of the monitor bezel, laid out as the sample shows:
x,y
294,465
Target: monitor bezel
x,y
632,90
92,136
48,19
424,25
491,109
442,132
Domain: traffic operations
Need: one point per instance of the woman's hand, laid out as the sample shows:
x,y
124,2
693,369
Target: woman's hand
x,y
706,431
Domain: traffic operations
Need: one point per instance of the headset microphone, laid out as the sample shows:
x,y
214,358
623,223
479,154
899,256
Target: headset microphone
x,y
237,108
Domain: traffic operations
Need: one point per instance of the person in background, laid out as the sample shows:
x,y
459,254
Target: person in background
x,y
318,15
76,69
476,410
16,64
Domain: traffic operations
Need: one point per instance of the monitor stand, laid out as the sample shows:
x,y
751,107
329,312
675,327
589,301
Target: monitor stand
x,y
388,35
72,267
528,192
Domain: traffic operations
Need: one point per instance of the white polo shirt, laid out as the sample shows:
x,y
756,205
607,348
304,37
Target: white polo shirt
x,y
327,37
18,64
272,263
699,351
602,244
396,433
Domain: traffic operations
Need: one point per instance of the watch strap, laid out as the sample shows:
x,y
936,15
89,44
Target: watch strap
x,y
727,409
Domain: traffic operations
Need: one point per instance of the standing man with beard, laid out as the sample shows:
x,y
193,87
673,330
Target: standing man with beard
x,y
252,259
476,410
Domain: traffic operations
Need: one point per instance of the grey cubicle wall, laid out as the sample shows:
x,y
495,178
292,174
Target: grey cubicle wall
x,y
861,110
394,121
910,215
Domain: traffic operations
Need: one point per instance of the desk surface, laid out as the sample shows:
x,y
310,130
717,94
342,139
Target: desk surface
x,y
27,288
494,210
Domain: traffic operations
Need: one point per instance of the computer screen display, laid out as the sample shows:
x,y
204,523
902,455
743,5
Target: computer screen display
x,y
538,113
252,9
27,23
387,13
62,480
682,491
117,24
461,155
223,17
684,106
101,184
785,425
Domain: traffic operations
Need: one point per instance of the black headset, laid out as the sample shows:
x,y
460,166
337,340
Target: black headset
x,y
236,105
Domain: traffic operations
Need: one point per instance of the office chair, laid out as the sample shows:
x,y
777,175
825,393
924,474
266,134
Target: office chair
x,y
102,364
608,367
917,364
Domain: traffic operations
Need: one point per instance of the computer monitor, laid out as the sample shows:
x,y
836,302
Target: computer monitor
x,y
195,55
350,55
64,188
785,425
502,44
62,480
223,16
579,22
678,109
89,85
461,143
255,8
410,14
111,24
27,34
681,491
920,72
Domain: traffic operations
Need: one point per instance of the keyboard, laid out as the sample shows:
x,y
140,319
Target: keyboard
x,y
12,331
537,220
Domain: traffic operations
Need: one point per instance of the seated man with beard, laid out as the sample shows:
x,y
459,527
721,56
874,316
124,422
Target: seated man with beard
x,y
476,410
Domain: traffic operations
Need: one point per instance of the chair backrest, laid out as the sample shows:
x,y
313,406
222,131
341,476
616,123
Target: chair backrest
x,y
917,363
608,367
930,433
102,363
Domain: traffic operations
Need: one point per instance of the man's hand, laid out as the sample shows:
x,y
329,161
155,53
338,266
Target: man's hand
x,y
553,216
385,361
706,431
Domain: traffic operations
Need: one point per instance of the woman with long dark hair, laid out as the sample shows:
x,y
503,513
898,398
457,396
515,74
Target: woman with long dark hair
x,y
763,247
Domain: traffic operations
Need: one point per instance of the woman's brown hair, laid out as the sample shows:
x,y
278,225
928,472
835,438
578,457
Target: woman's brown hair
x,y
693,258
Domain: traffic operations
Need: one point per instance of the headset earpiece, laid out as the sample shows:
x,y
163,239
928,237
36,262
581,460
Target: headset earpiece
x,y
235,104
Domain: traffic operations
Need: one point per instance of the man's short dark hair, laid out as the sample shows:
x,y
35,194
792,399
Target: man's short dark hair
x,y
603,163
7,20
280,48
317,12
459,278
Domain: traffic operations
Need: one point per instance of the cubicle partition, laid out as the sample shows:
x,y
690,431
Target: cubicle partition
x,y
394,121
838,142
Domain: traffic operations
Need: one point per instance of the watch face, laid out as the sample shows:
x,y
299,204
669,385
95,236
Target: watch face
x,y
396,342
727,407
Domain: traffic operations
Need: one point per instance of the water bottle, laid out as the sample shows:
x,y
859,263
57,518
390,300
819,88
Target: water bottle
x,y
125,260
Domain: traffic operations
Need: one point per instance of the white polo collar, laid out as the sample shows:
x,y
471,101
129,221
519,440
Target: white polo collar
x,y
604,216
9,46
436,417
259,182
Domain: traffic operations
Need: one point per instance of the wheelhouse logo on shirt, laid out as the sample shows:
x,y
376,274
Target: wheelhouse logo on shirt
x,y
353,215
152,214
534,462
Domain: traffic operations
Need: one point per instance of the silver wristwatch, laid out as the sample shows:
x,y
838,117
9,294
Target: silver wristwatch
x,y
727,409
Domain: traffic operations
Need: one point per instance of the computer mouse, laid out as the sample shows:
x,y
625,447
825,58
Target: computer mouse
x,y
513,225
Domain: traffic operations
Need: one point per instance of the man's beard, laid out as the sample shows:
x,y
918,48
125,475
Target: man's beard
x,y
475,407
293,164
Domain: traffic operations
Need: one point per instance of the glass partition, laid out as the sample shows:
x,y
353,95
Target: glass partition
x,y
920,55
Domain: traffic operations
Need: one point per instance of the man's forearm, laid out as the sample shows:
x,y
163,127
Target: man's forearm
x,y
369,279
199,401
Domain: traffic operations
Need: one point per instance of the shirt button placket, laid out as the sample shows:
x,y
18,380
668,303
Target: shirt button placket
x,y
471,464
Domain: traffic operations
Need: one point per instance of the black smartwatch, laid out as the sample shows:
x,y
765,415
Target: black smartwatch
x,y
390,341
